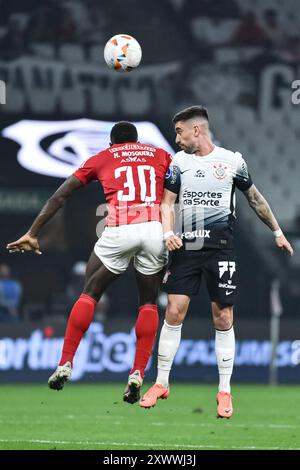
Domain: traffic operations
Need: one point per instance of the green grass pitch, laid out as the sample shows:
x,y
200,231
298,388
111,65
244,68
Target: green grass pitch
x,y
95,417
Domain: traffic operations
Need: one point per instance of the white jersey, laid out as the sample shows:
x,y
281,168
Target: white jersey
x,y
205,186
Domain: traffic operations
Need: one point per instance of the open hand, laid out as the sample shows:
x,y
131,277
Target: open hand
x,y
25,243
283,243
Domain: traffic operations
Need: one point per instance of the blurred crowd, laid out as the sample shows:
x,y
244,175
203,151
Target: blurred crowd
x,y
202,26
220,46
10,295
14,308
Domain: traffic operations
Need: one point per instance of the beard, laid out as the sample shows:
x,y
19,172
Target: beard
x,y
188,149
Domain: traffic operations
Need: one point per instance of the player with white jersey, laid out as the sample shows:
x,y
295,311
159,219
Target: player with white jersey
x,y
132,175
204,177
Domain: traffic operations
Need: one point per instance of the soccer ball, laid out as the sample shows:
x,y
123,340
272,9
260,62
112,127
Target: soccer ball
x,y
122,53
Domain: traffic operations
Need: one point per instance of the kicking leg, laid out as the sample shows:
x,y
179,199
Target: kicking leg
x,y
98,277
145,329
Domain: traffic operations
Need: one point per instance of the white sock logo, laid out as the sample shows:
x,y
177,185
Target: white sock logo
x,y
225,266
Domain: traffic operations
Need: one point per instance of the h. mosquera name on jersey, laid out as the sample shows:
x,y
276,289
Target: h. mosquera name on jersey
x,y
133,153
199,198
132,176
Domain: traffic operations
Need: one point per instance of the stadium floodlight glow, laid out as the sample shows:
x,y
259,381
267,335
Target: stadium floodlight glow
x,y
57,148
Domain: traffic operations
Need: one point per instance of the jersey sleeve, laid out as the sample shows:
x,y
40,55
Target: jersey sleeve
x,y
242,178
172,178
169,159
87,171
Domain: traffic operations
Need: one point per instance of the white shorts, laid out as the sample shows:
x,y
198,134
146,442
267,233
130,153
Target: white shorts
x,y
143,242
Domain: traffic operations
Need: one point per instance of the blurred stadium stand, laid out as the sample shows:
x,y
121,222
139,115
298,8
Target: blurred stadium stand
x,y
237,57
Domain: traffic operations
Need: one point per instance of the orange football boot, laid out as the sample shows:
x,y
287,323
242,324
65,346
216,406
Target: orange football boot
x,y
150,398
224,401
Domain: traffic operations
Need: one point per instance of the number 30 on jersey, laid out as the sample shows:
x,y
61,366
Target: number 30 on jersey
x,y
145,175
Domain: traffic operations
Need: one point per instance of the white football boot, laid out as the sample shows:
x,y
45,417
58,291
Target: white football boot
x,y
60,376
133,387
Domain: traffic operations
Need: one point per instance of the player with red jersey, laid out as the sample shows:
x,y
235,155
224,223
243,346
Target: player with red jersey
x,y
132,175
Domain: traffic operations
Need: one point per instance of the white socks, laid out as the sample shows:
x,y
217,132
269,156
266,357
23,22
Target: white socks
x,y
225,348
168,345
169,341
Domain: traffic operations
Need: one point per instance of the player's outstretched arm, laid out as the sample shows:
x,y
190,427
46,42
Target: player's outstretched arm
x,y
168,220
29,241
260,206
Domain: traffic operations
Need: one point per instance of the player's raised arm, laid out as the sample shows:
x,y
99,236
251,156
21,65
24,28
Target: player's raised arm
x,y
168,220
261,207
29,241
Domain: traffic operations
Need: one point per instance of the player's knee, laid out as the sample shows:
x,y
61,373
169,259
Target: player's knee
x,y
174,315
93,293
223,318
223,323
150,300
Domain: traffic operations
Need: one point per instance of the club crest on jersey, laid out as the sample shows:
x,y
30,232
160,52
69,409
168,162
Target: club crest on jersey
x,y
220,171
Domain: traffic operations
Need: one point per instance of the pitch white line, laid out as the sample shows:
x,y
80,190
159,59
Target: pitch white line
x,y
158,423
231,425
142,444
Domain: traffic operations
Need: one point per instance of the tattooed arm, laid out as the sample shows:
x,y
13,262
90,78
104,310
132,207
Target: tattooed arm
x,y
258,203
260,206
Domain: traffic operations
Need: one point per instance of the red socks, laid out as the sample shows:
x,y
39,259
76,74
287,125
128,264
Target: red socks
x,y
81,317
145,330
79,321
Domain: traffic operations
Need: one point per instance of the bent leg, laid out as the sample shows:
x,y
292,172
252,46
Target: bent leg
x,y
149,262
148,319
148,286
98,277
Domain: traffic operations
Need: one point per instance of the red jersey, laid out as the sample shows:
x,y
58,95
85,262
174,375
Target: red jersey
x,y
132,176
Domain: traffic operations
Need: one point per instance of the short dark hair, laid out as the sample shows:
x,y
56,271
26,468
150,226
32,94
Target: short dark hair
x,y
190,113
122,132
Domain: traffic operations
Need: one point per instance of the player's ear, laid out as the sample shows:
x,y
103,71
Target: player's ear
x,y
196,131
110,144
